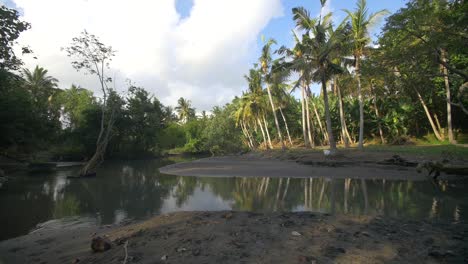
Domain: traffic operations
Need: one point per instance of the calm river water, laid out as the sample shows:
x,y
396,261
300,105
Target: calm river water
x,y
135,189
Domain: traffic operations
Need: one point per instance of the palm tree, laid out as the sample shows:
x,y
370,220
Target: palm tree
x,y
361,21
41,85
184,109
321,44
265,62
278,76
299,65
253,106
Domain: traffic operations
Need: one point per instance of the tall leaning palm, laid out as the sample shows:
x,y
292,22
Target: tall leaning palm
x,y
265,63
361,21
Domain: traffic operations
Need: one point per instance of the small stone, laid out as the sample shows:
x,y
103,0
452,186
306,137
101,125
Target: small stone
x,y
164,258
295,233
75,261
181,249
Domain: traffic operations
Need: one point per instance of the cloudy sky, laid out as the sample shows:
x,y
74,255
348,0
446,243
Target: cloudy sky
x,y
197,49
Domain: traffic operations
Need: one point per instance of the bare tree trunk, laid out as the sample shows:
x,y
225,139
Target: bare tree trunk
x,y
267,132
344,128
428,115
304,128
102,142
331,139
287,128
275,117
377,114
361,105
263,133
447,93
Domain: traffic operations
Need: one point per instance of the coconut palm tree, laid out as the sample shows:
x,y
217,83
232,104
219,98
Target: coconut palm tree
x,y
41,85
184,109
254,104
361,21
297,63
321,43
265,63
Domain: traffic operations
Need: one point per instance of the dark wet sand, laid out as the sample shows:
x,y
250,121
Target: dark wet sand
x,y
255,166
242,237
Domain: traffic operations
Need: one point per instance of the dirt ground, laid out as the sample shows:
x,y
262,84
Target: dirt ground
x,y
243,237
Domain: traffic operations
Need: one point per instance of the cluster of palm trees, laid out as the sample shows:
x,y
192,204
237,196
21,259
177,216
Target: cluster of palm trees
x,y
322,54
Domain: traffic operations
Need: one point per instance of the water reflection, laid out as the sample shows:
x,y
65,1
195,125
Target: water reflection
x,y
137,190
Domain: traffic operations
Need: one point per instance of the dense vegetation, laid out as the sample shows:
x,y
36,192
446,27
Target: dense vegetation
x,y
410,83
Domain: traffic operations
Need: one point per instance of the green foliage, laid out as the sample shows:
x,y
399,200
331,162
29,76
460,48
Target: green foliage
x,y
10,29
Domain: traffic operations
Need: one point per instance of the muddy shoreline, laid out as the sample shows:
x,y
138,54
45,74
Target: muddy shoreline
x,y
243,237
354,165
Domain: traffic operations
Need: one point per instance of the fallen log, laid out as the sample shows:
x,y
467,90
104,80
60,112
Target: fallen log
x,y
435,168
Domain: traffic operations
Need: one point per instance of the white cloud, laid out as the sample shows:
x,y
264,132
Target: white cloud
x,y
201,57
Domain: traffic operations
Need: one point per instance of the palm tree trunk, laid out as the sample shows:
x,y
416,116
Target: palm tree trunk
x,y
304,128
275,117
246,134
287,128
436,118
447,93
377,114
263,133
428,115
309,130
361,105
252,141
267,132
331,139
344,128
324,133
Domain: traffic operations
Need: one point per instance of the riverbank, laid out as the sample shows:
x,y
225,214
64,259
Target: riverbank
x,y
243,237
302,163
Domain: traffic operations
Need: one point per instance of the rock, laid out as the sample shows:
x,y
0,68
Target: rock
x,y
295,233
100,244
228,215
75,261
164,258
181,249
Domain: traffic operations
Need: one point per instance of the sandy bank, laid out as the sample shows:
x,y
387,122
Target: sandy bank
x,y
260,166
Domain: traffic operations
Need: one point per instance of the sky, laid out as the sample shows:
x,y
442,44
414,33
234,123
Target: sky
x,y
196,49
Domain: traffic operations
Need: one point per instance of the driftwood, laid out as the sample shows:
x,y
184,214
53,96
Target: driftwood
x,y
398,161
435,168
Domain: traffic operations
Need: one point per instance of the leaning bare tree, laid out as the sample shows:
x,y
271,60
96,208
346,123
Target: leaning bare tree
x,y
93,57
